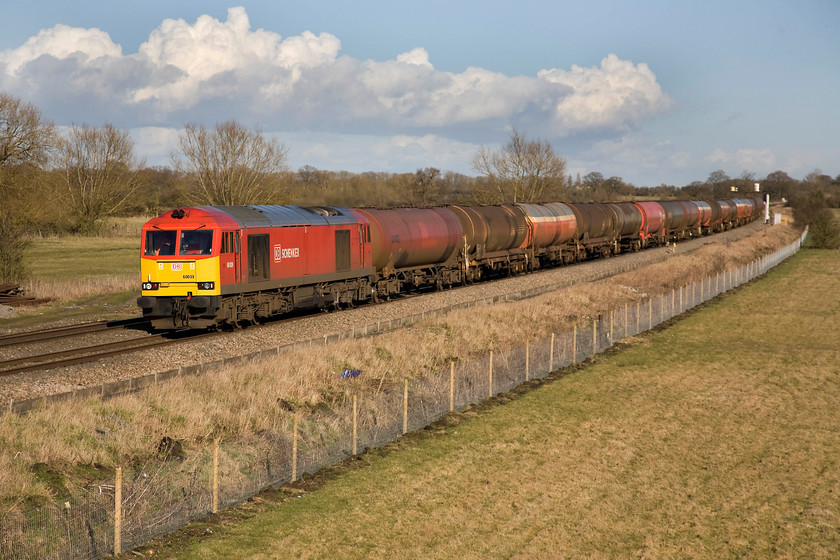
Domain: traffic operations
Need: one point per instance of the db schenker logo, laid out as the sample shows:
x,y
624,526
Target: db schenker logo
x,y
288,253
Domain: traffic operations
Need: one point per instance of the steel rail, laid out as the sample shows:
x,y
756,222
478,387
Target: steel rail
x,y
88,354
42,335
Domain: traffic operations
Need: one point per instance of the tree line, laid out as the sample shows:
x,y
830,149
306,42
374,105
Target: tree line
x,y
69,180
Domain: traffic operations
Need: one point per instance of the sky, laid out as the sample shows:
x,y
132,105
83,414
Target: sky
x,y
656,91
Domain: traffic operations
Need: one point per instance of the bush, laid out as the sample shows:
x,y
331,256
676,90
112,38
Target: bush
x,y
824,230
12,246
812,208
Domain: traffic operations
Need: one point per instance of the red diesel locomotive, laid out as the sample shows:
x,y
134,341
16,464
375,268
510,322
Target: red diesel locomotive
x,y
207,266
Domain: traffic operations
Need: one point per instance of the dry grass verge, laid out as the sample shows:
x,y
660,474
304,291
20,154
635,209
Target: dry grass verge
x,y
80,288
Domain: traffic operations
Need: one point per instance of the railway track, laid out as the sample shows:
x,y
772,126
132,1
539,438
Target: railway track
x,y
44,335
73,356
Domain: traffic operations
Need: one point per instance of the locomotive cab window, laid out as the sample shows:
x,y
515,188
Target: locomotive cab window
x,y
196,242
159,242
229,242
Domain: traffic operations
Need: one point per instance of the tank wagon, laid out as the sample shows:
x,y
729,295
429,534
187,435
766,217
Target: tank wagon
x,y
210,266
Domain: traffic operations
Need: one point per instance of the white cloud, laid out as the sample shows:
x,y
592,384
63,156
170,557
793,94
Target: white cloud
x,y
155,143
749,159
61,42
610,96
718,156
358,153
209,70
636,155
417,56
756,160
210,49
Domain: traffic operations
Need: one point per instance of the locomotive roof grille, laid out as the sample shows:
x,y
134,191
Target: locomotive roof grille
x,y
279,216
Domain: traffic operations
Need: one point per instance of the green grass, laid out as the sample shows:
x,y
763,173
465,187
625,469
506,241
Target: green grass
x,y
715,438
86,278
71,258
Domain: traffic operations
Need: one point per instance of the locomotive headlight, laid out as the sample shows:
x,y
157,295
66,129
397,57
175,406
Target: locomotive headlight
x,y
150,286
206,285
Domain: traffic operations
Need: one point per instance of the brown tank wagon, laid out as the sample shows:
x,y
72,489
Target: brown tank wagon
x,y
728,212
489,229
409,237
653,222
597,223
552,223
628,218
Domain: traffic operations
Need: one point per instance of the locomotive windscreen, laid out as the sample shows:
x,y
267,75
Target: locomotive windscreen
x,y
196,242
160,242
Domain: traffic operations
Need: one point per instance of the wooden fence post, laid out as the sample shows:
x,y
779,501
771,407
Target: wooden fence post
x,y
355,425
626,322
215,505
527,360
551,355
638,314
451,386
294,447
574,344
405,407
612,312
650,313
118,512
490,373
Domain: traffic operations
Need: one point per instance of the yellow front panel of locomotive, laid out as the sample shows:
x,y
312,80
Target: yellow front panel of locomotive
x,y
177,277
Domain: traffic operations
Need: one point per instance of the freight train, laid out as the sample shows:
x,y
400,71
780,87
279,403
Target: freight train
x,y
211,266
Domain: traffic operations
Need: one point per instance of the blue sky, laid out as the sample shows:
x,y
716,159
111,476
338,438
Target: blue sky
x,y
654,92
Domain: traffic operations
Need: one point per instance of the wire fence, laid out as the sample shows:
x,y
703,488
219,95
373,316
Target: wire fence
x,y
149,500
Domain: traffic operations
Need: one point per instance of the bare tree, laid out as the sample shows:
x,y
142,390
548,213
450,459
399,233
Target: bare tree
x,y
12,246
97,171
522,170
25,142
424,185
231,164
25,137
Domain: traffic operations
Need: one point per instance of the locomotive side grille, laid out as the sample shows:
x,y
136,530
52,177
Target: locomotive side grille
x,y
342,250
258,257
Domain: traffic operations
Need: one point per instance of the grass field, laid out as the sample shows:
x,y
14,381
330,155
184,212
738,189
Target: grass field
x,y
74,258
714,438
85,277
